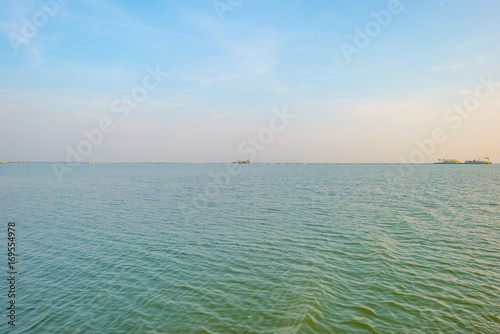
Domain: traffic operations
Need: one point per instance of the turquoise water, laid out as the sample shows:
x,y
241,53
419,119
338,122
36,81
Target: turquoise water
x,y
279,249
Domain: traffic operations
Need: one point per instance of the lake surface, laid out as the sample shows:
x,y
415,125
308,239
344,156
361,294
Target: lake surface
x,y
143,248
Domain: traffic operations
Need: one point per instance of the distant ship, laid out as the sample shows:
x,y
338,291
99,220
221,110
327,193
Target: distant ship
x,y
241,162
479,161
449,161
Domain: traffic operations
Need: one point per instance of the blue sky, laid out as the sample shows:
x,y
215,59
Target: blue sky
x,y
226,74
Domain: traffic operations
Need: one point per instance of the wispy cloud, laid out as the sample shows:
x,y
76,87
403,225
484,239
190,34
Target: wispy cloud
x,y
225,75
404,111
447,66
100,35
458,64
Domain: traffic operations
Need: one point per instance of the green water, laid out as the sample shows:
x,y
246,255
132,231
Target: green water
x,y
278,249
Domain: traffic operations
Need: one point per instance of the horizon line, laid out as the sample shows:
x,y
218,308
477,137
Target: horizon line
x,y
213,162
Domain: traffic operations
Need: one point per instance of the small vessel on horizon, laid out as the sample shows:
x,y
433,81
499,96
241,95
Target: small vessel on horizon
x,y
449,161
241,162
479,161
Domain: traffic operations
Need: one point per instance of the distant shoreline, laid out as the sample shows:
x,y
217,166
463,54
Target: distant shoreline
x,y
219,163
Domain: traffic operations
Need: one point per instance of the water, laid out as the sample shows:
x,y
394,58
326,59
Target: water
x,y
279,249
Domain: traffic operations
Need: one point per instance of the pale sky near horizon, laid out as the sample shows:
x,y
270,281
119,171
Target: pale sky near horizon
x,y
231,63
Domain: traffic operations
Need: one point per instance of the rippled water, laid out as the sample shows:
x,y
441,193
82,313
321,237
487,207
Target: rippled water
x,y
279,249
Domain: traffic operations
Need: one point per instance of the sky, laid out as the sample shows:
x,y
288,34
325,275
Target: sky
x,y
204,81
